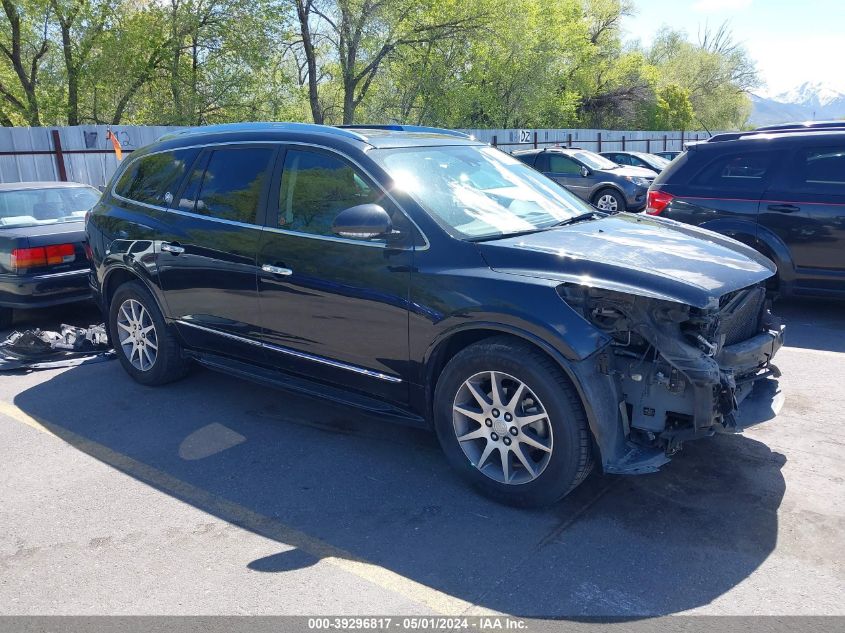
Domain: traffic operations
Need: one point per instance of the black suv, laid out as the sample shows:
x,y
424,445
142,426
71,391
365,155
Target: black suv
x,y
431,278
782,192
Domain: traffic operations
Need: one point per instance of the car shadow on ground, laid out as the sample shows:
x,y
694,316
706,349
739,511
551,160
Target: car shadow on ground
x,y
813,323
330,481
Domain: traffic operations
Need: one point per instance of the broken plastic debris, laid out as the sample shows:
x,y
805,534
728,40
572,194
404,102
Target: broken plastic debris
x,y
43,349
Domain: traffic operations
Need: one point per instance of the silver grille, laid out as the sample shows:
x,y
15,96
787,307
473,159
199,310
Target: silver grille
x,y
741,314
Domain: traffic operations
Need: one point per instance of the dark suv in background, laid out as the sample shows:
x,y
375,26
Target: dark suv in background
x,y
431,278
592,177
782,192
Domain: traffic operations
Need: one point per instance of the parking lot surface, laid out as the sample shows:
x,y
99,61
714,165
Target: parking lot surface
x,y
218,496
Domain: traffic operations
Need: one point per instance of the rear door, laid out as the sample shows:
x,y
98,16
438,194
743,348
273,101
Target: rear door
x,y
805,207
206,255
334,308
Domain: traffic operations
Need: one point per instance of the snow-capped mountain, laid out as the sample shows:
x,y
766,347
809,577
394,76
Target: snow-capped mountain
x,y
810,100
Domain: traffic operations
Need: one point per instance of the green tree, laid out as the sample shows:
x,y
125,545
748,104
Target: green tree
x,y
674,108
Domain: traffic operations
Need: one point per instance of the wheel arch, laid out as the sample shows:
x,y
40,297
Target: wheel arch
x,y
119,275
597,189
605,426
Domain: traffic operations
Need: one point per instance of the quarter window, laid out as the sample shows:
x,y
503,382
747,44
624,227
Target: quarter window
x,y
151,178
315,188
232,184
737,172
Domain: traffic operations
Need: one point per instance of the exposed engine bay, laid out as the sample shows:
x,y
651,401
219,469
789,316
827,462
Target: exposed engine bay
x,y
681,372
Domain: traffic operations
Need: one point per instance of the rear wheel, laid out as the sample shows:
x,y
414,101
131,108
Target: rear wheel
x,y
609,201
147,349
512,423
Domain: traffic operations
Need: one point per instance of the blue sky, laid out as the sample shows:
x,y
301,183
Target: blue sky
x,y
791,41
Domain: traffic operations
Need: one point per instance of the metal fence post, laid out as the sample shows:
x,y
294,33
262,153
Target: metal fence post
x,y
60,157
569,139
682,140
535,140
598,140
648,146
494,140
623,142
665,140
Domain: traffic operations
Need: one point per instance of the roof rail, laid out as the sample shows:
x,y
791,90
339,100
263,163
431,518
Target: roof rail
x,y
258,126
732,136
395,127
802,125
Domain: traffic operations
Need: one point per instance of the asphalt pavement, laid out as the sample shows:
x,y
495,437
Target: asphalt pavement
x,y
218,496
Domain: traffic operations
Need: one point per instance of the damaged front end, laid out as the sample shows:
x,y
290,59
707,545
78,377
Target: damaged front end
x,y
682,372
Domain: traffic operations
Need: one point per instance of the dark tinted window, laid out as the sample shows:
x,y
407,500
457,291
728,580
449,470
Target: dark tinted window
x,y
151,178
528,159
315,188
821,169
232,184
562,165
736,172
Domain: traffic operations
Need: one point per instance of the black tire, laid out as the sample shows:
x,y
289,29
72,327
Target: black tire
x,y
7,315
621,207
169,363
571,457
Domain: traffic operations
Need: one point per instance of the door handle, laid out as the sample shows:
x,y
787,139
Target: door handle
x,y
277,270
783,208
167,247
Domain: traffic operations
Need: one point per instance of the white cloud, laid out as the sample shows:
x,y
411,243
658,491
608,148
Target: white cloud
x,y
718,6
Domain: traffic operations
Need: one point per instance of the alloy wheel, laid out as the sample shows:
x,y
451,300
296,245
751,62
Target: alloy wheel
x,y
137,334
608,203
502,427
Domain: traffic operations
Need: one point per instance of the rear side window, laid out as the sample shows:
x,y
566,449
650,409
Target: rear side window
x,y
315,188
151,178
232,185
737,172
820,169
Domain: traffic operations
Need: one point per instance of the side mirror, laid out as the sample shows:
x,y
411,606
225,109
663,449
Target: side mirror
x,y
362,222
102,188
585,172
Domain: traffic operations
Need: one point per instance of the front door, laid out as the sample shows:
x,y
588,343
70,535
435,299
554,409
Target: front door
x,y
210,237
568,172
333,308
806,209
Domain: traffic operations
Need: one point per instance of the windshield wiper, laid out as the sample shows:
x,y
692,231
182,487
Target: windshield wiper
x,y
580,218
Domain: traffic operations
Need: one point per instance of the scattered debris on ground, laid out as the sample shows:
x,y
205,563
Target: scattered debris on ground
x,y
43,349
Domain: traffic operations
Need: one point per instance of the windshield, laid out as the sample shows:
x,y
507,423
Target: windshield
x,y
34,207
654,159
593,160
478,191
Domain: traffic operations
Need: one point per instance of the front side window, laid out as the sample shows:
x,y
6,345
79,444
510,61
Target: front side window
x,y
32,207
315,188
151,178
232,184
593,160
563,165
478,192
821,169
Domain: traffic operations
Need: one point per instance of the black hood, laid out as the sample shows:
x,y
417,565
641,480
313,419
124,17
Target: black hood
x,y
635,254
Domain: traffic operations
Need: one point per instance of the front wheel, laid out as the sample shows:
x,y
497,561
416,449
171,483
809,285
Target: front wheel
x,y
147,349
512,423
609,201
